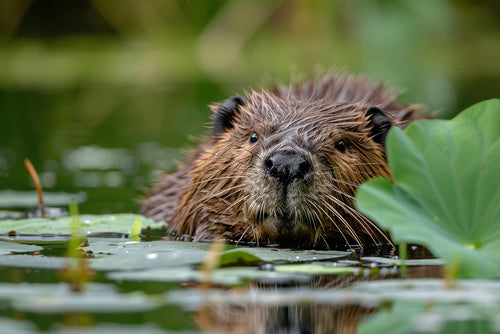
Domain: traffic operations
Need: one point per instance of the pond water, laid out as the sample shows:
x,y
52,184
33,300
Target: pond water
x,y
101,97
109,283
157,286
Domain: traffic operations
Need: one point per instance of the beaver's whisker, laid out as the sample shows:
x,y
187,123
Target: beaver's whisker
x,y
319,208
239,200
345,223
313,218
242,235
362,220
350,211
355,184
212,196
350,171
361,164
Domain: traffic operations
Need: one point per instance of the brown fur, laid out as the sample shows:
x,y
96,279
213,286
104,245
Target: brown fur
x,y
221,191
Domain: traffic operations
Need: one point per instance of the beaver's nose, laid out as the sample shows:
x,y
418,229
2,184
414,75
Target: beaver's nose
x,y
287,166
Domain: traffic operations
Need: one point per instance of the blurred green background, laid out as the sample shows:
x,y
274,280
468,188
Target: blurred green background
x,y
101,93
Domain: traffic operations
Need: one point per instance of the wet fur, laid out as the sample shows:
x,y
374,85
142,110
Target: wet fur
x,y
221,191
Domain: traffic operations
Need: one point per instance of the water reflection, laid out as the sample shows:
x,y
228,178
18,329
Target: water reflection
x,y
320,306
303,318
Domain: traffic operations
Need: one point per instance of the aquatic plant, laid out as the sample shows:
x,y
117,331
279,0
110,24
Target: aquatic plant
x,y
445,192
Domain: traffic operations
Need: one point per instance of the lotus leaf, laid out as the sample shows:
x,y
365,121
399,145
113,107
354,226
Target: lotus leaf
x,y
446,191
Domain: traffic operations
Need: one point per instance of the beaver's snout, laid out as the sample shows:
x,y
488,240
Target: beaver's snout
x,y
287,166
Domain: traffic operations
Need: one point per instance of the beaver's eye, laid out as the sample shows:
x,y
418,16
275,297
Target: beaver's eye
x,y
340,145
254,137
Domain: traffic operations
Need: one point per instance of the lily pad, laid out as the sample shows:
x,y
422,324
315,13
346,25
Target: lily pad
x,y
32,261
112,328
113,246
443,318
315,269
398,262
13,326
481,292
57,298
136,261
119,223
10,247
233,276
252,255
446,190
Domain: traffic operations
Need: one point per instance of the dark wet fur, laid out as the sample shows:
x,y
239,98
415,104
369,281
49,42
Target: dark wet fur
x,y
336,124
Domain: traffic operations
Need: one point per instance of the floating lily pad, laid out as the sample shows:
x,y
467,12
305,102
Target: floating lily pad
x,y
315,269
32,261
233,276
136,261
446,189
119,223
443,318
110,328
113,246
238,257
10,247
480,293
252,255
398,262
13,326
57,298
37,239
430,290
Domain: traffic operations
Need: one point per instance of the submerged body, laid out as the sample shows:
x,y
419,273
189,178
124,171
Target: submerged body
x,y
282,167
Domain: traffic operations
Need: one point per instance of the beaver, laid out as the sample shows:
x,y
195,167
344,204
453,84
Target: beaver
x,y
281,167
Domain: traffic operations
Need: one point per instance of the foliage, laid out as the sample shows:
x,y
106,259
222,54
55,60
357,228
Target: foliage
x,y
89,224
446,190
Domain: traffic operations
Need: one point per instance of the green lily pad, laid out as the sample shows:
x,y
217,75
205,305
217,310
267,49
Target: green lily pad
x,y
57,298
315,269
111,255
428,290
119,223
10,247
446,190
427,305
238,257
13,326
398,262
113,328
136,261
252,255
32,261
233,276
442,318
114,246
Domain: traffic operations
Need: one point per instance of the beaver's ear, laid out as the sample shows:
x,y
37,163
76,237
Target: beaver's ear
x,y
381,124
225,112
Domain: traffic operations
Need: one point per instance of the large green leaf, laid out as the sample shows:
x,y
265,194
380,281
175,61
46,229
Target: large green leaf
x,y
446,190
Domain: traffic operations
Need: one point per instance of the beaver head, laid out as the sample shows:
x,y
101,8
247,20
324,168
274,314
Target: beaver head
x,y
283,167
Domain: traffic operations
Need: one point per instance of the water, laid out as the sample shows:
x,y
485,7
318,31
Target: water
x,y
101,97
